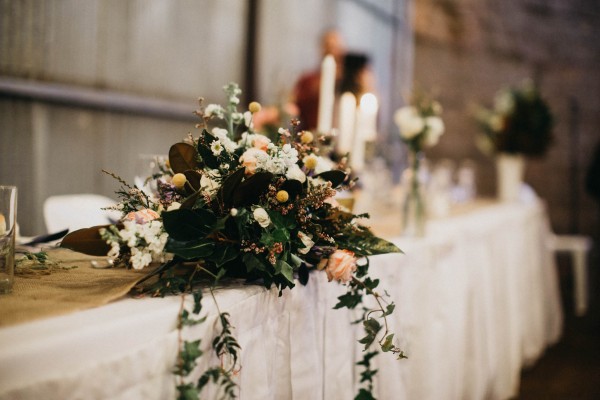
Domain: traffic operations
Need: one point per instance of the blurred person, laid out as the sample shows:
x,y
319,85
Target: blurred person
x,y
357,77
306,90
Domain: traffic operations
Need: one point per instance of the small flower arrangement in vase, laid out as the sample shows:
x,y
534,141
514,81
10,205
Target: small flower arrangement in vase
x,y
519,125
420,126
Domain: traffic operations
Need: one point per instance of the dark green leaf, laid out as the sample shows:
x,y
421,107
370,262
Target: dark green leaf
x,y
349,300
252,262
194,249
182,157
186,224
205,152
187,392
389,309
364,394
223,254
229,186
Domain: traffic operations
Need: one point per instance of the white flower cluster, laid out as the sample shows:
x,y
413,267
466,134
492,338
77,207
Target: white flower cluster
x,y
214,110
223,142
412,124
146,242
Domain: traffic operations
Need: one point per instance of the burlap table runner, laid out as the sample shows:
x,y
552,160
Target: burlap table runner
x,y
62,291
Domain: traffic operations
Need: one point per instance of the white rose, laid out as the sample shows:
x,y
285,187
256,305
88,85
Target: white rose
x,y
435,129
294,172
306,241
261,216
409,122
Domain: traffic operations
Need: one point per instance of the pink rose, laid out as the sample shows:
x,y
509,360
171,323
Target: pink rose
x,y
142,216
341,266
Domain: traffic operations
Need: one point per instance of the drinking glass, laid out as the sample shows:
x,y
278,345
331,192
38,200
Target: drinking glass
x,y
8,223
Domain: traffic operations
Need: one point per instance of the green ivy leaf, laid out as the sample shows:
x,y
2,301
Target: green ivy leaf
x,y
389,309
285,269
364,394
252,262
187,392
388,345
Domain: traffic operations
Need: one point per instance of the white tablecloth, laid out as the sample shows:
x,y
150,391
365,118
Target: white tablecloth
x,y
477,299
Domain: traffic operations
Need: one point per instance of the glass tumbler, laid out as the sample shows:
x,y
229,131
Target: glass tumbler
x,y
8,223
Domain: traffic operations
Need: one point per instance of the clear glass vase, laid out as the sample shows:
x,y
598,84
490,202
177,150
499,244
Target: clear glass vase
x,y
414,213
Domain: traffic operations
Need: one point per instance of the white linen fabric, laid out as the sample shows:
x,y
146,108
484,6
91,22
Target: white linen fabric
x,y
476,300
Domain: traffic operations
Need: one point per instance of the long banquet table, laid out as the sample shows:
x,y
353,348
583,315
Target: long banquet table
x,y
477,300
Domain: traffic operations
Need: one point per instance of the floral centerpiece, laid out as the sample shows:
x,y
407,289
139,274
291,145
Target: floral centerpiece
x,y
519,125
232,203
420,127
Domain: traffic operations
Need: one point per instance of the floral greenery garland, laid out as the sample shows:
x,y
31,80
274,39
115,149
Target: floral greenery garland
x,y
233,204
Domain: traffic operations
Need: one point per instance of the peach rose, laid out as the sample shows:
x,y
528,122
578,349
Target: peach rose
x,y
341,266
260,142
250,159
142,216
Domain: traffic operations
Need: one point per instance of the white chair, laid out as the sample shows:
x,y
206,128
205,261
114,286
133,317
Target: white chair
x,y
578,246
77,211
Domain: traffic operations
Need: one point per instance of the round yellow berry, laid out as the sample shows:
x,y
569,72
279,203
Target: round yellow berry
x,y
179,180
254,107
310,162
307,137
282,196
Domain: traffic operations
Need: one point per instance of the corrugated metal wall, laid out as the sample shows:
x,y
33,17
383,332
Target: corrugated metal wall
x,y
167,50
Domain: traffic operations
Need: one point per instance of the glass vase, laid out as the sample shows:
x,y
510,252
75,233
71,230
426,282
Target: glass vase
x,y
413,205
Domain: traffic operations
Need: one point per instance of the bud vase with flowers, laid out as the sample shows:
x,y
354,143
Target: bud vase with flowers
x,y
518,126
420,126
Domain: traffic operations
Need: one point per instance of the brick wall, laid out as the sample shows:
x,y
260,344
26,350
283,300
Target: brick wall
x,y
467,49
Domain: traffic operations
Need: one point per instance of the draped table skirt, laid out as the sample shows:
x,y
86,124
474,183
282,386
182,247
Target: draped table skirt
x,y
476,300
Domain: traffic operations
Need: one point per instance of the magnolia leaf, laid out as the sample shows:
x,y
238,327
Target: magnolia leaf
x,y
229,186
183,157
87,241
193,177
335,176
190,250
185,224
205,151
293,187
250,189
190,201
